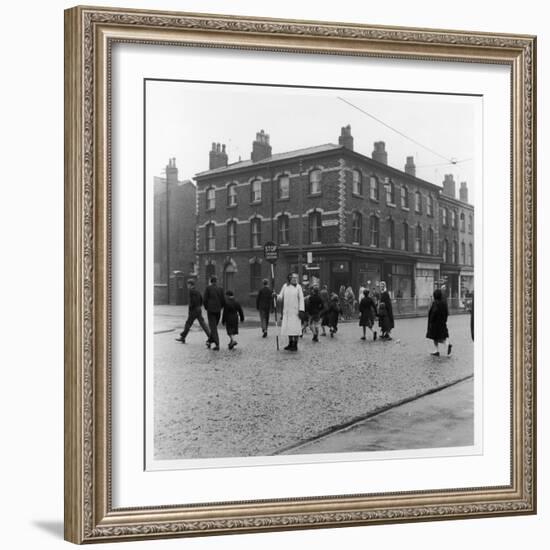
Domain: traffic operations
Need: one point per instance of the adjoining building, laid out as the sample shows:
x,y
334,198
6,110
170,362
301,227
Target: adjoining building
x,y
174,221
339,218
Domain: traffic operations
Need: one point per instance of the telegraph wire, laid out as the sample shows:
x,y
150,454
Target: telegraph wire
x,y
449,160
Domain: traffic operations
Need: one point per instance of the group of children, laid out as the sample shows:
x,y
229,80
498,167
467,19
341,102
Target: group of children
x,y
324,310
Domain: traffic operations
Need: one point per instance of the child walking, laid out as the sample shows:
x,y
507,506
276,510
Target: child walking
x,y
232,312
314,306
367,309
333,315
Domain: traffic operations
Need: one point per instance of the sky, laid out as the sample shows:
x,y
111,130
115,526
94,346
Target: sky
x,y
184,118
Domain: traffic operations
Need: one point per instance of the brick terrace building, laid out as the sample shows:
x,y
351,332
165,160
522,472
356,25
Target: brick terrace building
x,y
361,220
174,236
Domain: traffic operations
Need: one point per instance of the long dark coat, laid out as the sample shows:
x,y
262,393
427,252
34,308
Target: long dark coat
x,y
367,309
231,314
385,299
437,321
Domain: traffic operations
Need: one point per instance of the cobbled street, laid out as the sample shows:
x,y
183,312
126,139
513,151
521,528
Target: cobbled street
x,y
257,401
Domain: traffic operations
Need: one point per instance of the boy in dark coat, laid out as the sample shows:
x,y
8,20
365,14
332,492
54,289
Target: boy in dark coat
x,y
324,314
232,311
314,307
367,310
195,312
264,303
437,323
213,303
333,315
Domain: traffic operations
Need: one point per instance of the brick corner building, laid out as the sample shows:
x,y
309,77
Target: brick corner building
x,y
174,220
339,218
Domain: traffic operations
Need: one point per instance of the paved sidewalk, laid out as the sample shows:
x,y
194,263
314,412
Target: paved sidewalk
x,y
441,419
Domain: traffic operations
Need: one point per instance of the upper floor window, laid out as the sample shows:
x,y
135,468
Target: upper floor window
x,y
390,192
418,239
390,242
315,227
444,216
404,197
256,191
470,254
405,237
357,227
374,231
462,253
256,232
373,188
445,251
284,187
315,182
462,222
470,223
418,202
231,234
453,219
454,252
210,237
210,198
357,183
232,195
430,241
430,205
283,229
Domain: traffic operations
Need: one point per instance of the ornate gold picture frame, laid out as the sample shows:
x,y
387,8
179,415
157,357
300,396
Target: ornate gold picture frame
x,y
90,35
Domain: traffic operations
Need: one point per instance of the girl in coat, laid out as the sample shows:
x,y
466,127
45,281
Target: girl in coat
x,y
437,323
367,311
232,311
384,321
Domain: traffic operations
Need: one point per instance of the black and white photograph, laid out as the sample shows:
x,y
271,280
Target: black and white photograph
x,y
310,260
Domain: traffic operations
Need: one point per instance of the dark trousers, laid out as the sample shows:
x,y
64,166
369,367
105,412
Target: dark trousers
x,y
213,320
194,315
264,319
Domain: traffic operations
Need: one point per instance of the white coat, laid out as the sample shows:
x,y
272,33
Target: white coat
x,y
293,302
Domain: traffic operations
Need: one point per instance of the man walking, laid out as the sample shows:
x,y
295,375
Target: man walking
x,y
214,302
195,312
264,301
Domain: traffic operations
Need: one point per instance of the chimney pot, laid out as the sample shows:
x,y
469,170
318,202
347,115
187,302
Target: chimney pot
x,y
379,153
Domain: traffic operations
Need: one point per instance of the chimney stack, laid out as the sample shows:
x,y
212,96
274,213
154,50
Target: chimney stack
x,y
449,186
379,154
218,156
345,138
463,192
410,167
171,171
260,147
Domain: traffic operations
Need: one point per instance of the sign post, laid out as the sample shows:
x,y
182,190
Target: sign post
x,y
271,254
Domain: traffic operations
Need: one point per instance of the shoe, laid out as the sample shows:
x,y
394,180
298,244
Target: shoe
x,y
208,344
264,335
434,354
216,348
235,343
288,348
315,338
323,334
449,349
180,339
363,338
374,337
331,334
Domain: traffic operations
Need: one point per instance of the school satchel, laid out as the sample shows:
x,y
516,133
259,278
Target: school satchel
x,y
302,315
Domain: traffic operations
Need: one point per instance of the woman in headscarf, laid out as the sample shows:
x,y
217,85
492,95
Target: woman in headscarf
x,y
437,323
385,299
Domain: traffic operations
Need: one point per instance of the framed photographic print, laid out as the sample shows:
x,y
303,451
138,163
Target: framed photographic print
x,y
300,274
